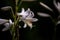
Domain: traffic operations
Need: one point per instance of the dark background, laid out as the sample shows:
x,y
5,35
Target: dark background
x,y
42,30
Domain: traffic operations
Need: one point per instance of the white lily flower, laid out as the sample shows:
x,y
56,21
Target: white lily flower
x,y
44,5
28,21
2,21
43,14
57,5
7,25
27,17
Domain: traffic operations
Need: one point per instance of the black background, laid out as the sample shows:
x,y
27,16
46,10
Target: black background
x,y
44,28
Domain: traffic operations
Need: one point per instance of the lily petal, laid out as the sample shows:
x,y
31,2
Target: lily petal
x,y
46,6
58,22
29,24
57,5
30,13
10,21
5,29
43,14
32,19
22,12
2,21
7,26
25,25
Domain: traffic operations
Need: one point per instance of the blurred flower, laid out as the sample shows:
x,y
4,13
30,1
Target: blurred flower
x,y
44,5
6,8
2,21
43,14
27,17
7,25
58,22
57,5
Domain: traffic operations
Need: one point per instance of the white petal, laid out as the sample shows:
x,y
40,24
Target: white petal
x,y
7,26
34,19
25,25
58,6
18,14
46,6
5,29
30,13
23,10
10,21
28,9
3,21
30,25
28,18
58,22
23,14
43,14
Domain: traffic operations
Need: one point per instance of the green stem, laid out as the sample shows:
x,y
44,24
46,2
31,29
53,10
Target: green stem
x,y
15,27
16,23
